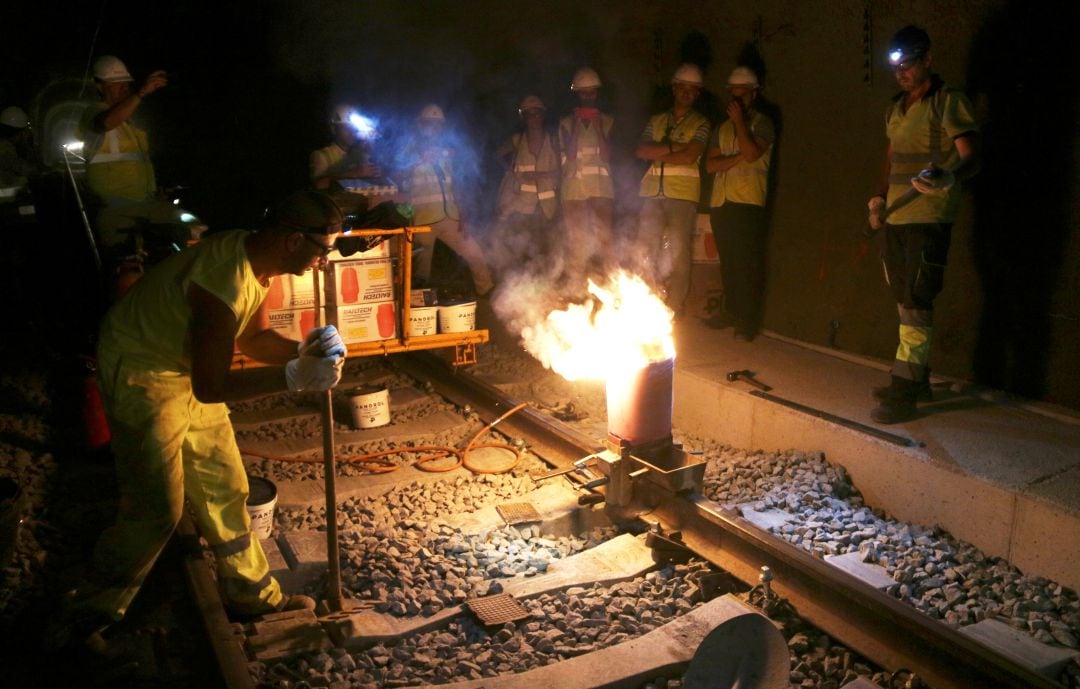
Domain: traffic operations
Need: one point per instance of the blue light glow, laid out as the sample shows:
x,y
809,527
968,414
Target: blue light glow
x,y
365,126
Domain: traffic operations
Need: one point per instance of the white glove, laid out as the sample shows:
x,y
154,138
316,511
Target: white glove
x,y
325,340
877,212
934,180
313,373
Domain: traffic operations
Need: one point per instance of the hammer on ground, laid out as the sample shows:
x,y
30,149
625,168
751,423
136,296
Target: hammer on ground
x,y
748,376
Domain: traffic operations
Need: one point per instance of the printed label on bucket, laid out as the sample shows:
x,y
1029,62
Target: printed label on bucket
x,y
423,321
457,318
261,501
370,406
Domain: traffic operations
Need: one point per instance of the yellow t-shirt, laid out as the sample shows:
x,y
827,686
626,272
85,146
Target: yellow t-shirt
x,y
150,325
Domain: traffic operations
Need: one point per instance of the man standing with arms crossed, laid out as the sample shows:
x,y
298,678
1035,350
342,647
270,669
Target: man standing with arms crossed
x,y
933,141
672,142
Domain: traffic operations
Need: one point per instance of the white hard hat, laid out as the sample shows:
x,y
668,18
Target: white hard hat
x,y
688,74
342,114
530,103
110,69
585,78
743,76
13,117
432,112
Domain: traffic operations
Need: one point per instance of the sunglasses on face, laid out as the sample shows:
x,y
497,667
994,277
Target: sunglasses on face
x,y
324,250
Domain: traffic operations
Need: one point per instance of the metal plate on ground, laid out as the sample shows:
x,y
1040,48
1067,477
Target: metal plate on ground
x,y
518,512
498,609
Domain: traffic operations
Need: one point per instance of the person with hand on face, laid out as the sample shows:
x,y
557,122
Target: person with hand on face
x,y
164,361
348,156
527,201
740,155
587,192
672,142
933,139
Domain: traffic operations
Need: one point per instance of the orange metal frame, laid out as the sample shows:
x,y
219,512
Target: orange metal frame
x,y
464,343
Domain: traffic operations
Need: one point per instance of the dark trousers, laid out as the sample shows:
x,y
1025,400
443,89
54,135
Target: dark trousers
x,y
914,258
740,233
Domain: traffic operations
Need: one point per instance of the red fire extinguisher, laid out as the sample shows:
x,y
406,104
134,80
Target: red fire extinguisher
x,y
96,433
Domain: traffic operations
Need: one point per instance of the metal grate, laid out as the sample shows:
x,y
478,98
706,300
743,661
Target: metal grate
x,y
518,512
498,609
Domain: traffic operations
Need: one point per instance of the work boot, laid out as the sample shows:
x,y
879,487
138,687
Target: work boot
x,y
899,403
923,391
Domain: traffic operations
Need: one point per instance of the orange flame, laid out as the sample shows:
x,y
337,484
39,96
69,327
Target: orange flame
x,y
621,328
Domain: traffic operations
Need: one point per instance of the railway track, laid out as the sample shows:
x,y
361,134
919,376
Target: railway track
x,y
697,533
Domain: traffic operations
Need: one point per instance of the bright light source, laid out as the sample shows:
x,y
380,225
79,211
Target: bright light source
x,y
73,146
186,217
364,126
895,56
176,202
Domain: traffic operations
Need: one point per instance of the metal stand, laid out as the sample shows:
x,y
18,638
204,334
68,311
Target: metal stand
x,y
82,208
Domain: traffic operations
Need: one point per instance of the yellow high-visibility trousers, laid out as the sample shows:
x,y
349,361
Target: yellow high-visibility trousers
x,y
167,445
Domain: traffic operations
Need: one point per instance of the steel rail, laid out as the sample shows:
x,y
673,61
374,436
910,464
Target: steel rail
x,y
881,628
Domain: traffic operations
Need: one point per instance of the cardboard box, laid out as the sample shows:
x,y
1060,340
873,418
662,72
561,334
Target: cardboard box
x,y
367,322
703,244
291,292
294,324
423,297
369,280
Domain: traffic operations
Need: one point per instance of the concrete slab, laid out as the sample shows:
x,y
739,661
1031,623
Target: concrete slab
x,y
1020,647
852,563
287,634
664,651
619,559
768,519
1000,473
411,430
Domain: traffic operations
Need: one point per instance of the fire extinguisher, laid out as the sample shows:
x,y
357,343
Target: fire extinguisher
x,y
96,433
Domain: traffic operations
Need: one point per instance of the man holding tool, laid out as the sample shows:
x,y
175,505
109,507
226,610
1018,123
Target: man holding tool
x,y
164,357
932,147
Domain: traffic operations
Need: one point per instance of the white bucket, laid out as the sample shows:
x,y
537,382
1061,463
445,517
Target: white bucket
x,y
261,501
423,320
370,406
457,318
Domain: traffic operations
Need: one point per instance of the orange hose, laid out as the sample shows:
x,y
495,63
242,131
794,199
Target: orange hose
x,y
374,462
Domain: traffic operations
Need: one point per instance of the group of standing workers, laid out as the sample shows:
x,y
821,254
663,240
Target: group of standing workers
x,y
570,171
166,348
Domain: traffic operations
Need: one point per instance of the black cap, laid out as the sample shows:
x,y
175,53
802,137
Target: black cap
x,y
309,211
908,42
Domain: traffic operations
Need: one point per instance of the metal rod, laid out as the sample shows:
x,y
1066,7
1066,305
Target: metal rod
x,y
839,420
333,554
82,211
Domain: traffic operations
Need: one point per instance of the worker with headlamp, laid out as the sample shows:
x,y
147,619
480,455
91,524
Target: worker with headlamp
x,y
348,156
932,147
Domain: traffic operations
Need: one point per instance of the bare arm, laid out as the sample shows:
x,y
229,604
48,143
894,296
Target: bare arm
x,y
120,112
883,181
212,380
674,153
967,146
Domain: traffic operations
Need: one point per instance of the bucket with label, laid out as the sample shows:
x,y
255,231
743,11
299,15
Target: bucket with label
x,y
423,320
457,318
261,501
370,406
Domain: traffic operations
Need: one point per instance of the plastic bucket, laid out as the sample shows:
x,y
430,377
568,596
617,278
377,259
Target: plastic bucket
x,y
261,501
370,406
423,320
457,318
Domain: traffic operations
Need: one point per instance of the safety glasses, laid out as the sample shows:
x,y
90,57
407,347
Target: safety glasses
x,y
324,250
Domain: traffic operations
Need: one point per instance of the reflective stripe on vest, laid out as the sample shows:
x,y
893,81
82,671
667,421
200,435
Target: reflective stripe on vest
x,y
110,149
587,176
677,181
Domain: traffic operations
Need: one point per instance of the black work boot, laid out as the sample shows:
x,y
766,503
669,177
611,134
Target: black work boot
x,y
923,392
899,403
